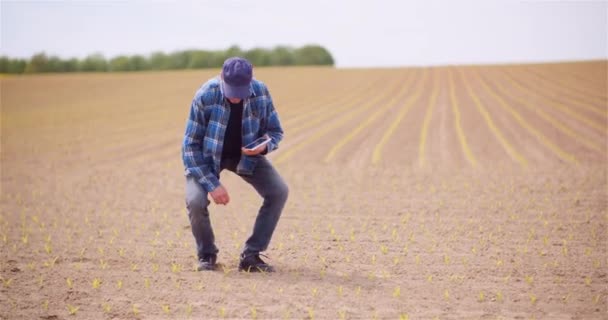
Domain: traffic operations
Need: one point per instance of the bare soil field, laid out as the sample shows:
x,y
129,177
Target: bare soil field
x,y
472,192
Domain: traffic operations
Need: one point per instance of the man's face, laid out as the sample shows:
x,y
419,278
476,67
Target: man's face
x,y
234,100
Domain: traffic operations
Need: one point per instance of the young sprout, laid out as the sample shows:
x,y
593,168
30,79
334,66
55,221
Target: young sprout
x,y
397,292
135,310
69,282
499,296
72,309
51,263
588,281
529,279
96,283
189,310
404,316
340,291
25,238
383,249
254,313
222,312
6,282
45,305
311,313
119,284
106,307
166,309
48,248
175,267
532,298
481,297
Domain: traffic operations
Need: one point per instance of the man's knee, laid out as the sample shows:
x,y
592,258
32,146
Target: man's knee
x,y
197,203
278,193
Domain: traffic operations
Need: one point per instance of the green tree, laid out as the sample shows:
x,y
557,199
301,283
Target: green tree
x,y
282,56
259,57
138,63
188,59
202,59
70,65
121,63
38,63
95,62
159,61
179,60
16,66
313,55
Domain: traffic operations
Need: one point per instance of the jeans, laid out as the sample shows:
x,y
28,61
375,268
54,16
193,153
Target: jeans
x,y
269,185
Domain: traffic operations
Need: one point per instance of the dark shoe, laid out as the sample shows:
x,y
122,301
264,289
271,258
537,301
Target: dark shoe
x,y
207,262
251,262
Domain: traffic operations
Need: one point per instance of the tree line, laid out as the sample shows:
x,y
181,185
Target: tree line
x,y
187,59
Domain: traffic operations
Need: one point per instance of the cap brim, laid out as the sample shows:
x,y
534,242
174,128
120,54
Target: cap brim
x,y
241,92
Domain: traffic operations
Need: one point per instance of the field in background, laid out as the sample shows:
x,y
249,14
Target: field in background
x,y
415,193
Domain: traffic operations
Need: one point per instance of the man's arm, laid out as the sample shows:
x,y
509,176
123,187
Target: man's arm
x,y
192,148
273,126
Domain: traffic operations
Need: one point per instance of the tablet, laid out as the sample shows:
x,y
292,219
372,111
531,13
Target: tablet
x,y
257,143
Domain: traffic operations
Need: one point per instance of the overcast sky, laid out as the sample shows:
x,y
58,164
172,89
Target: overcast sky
x,y
358,33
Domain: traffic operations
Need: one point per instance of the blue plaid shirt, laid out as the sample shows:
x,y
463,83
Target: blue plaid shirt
x,y
206,126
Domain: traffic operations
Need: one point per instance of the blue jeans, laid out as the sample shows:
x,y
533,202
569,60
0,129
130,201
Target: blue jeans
x,y
269,185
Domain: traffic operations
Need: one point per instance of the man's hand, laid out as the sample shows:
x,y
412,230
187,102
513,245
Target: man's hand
x,y
254,152
220,195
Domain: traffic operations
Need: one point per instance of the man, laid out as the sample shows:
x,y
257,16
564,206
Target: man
x,y
227,113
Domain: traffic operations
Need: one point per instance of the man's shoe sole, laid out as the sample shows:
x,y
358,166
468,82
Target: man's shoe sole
x,y
256,269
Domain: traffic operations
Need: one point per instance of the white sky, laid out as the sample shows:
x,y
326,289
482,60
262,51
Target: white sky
x,y
358,33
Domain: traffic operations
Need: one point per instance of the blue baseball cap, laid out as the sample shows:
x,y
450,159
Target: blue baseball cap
x,y
237,74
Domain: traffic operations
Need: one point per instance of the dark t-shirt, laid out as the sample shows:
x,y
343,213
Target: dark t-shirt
x,y
233,136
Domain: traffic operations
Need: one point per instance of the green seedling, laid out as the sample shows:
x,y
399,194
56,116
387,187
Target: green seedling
x,y
72,309
96,283
222,312
397,292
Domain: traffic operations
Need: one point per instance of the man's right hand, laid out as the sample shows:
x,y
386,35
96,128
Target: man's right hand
x,y
220,195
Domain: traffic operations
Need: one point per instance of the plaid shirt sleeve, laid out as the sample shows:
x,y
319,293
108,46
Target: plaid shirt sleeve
x,y
273,125
192,148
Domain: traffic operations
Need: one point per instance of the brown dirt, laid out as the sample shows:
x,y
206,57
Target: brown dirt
x,y
92,190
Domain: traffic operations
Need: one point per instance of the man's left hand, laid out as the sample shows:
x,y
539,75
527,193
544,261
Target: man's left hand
x,y
254,152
